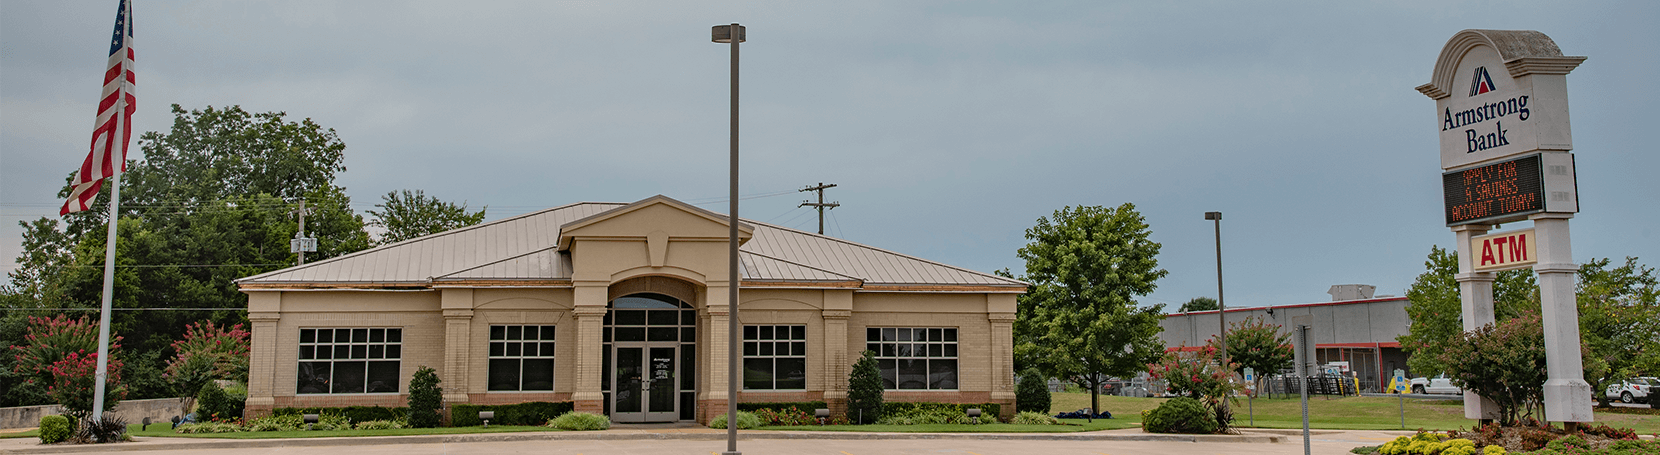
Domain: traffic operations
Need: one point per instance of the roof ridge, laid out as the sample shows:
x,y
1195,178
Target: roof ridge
x,y
752,253
487,264
416,240
826,237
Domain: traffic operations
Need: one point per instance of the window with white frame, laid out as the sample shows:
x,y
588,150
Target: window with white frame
x,y
521,357
775,357
349,360
915,358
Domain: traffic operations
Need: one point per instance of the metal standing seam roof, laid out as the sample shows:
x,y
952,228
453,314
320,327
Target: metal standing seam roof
x,y
525,247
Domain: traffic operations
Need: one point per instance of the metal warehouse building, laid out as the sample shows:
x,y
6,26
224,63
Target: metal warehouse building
x,y
622,309
1354,328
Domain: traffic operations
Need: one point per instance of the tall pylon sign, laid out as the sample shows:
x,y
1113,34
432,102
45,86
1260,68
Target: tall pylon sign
x,y
1501,109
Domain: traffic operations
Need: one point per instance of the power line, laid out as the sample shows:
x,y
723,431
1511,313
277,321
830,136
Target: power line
x,y
820,205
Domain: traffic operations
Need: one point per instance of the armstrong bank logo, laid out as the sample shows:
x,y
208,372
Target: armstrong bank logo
x,y
1476,135
1481,83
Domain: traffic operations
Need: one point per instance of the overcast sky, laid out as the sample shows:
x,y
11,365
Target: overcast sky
x,y
949,126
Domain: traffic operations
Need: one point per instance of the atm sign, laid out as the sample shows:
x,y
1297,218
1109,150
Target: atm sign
x,y
1504,251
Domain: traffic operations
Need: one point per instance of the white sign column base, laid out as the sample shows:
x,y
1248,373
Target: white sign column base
x,y
1567,395
1475,294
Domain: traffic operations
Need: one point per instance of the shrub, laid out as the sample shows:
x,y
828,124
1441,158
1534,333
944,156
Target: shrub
x,y
207,427
208,352
864,390
1179,415
745,421
352,413
212,403
1198,374
804,406
1033,392
581,421
787,416
74,382
106,428
1034,418
275,422
330,422
987,410
379,425
1504,362
531,413
425,398
55,429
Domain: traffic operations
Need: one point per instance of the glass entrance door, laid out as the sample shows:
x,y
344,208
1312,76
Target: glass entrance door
x,y
646,388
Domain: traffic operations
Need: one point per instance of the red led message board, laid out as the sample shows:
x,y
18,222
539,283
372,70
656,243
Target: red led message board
x,y
1494,193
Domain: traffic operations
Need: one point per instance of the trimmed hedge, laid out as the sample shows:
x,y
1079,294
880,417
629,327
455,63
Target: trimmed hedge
x,y
353,413
55,429
532,413
808,407
987,410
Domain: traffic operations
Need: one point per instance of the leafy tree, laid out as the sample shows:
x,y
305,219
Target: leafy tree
x,y
1619,318
425,398
1505,362
207,204
1258,345
74,382
208,352
864,390
409,214
1079,320
53,339
1198,374
1437,314
1199,304
1032,394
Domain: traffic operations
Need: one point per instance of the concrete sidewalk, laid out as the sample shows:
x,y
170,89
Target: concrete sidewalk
x,y
31,445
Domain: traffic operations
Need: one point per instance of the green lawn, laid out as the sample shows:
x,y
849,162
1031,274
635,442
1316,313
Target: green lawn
x,y
161,430
1072,426
1349,413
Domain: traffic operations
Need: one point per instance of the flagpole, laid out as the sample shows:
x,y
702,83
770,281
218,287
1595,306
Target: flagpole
x,y
109,292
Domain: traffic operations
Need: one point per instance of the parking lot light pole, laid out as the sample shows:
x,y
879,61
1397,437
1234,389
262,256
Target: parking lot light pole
x,y
1221,305
733,34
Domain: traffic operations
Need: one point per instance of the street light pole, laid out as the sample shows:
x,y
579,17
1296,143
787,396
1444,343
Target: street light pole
x,y
732,34
1221,305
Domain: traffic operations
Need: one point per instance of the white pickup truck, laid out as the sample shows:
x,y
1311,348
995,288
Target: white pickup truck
x,y
1439,384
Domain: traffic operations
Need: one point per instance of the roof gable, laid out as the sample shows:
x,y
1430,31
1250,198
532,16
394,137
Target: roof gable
x,y
656,213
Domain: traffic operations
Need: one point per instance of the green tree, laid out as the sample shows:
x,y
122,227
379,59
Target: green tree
x,y
206,205
1437,314
1619,319
1199,304
1079,320
864,390
409,214
425,398
1505,362
1258,345
1032,394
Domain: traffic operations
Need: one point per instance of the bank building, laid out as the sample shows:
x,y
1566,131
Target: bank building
x,y
622,309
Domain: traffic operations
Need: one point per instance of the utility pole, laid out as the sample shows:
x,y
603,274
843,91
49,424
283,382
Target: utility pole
x,y
820,205
301,244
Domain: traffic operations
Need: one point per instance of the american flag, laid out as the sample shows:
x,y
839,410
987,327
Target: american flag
x,y
115,114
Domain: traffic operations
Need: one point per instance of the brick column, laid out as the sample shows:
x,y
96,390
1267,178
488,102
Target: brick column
x,y
458,348
1002,362
589,349
712,394
262,343
836,361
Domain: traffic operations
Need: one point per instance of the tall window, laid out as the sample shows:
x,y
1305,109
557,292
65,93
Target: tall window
x,y
775,357
355,360
521,357
915,358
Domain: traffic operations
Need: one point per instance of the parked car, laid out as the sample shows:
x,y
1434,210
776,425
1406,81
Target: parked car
x,y
1634,390
1439,384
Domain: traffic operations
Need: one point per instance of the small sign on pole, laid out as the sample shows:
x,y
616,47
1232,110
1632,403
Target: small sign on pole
x,y
1250,396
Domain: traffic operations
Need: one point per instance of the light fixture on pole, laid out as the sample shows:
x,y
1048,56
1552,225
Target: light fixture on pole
x,y
1221,305
733,34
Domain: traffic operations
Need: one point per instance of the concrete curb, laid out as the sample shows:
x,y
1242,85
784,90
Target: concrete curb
x,y
154,443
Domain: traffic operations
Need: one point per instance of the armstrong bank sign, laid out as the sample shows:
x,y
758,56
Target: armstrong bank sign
x,y
1494,105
